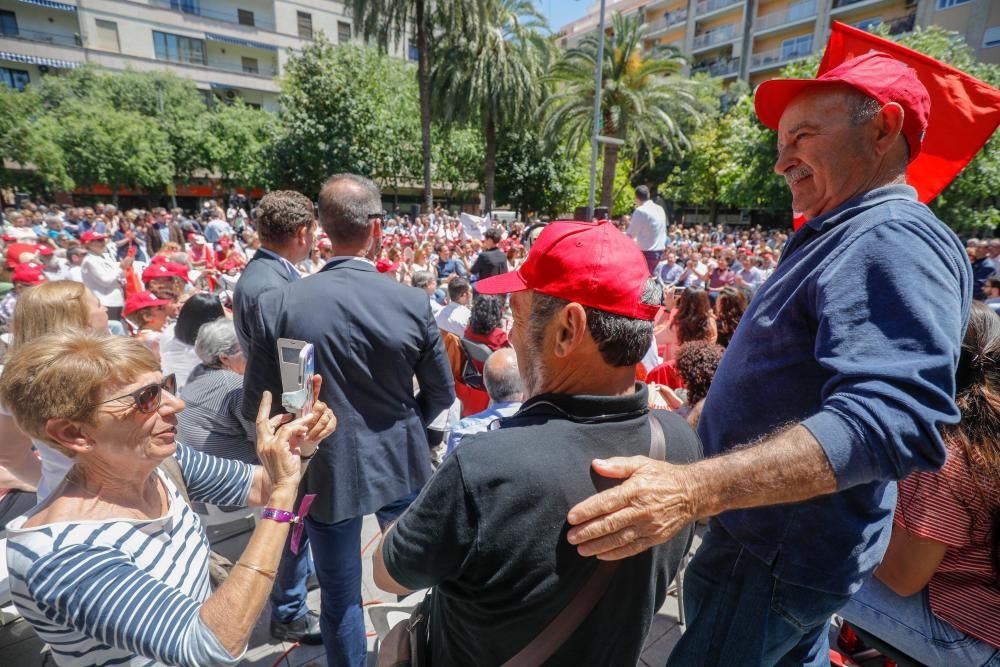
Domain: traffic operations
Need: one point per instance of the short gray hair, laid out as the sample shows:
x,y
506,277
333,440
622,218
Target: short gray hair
x,y
502,380
861,109
345,203
215,339
422,278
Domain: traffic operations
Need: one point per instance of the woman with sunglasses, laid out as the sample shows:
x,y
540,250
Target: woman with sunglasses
x,y
113,567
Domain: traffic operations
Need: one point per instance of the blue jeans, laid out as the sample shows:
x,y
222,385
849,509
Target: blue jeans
x,y
739,614
288,596
909,625
337,554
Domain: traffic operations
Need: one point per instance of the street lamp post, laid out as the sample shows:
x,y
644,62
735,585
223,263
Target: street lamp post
x,y
595,133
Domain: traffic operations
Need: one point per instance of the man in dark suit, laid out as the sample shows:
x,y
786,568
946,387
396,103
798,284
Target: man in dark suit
x,y
491,261
286,223
372,336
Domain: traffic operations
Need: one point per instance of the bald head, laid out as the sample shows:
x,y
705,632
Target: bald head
x,y
502,378
347,203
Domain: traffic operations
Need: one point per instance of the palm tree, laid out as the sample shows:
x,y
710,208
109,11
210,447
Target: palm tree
x,y
493,73
639,96
385,21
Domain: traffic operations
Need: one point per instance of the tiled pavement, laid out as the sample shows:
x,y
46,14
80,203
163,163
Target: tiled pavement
x,y
19,647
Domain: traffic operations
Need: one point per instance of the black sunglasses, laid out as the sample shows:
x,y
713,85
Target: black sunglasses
x,y
149,398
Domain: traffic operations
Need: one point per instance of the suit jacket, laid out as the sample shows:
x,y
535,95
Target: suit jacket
x,y
263,273
372,336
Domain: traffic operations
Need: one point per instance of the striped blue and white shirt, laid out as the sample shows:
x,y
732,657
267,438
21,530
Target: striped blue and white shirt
x,y
127,591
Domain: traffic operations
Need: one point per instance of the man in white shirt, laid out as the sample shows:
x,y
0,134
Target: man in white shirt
x,y
455,316
648,227
102,276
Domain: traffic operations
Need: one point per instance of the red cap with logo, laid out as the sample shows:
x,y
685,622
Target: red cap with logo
x,y
15,250
44,250
29,273
877,75
592,264
141,300
87,237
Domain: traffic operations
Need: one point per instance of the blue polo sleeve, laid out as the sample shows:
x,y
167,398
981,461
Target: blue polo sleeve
x,y
891,314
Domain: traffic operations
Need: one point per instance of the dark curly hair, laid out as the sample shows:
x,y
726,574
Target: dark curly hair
x,y
693,313
487,313
697,362
281,213
732,304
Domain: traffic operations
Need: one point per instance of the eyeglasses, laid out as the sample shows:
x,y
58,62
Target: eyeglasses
x,y
149,398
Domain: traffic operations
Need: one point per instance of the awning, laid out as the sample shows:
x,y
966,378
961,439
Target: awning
x,y
35,60
62,6
213,37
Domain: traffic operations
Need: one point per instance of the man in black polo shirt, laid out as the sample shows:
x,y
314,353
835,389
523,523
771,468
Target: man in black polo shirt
x,y
488,530
491,261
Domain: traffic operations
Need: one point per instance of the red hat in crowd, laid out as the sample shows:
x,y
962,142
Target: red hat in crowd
x,y
15,250
385,266
9,237
158,259
44,250
142,300
325,243
29,273
591,264
877,75
87,237
156,270
178,270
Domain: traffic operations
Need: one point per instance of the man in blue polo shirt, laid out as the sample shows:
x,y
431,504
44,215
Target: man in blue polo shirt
x,y
834,386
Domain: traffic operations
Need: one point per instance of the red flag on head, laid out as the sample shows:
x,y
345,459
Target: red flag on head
x,y
964,111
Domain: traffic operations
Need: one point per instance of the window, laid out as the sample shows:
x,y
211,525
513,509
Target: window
x,y
414,52
991,37
8,23
186,6
107,36
14,78
245,16
250,65
253,105
178,49
796,46
947,4
343,32
305,25
869,24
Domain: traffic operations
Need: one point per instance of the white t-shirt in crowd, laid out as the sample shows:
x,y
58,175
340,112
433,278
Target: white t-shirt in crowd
x,y
649,226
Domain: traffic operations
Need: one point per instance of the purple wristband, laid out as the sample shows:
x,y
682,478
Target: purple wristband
x,y
281,516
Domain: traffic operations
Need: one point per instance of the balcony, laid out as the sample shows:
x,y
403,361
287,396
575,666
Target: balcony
x,y
45,37
723,68
780,56
844,6
902,24
194,8
713,6
671,20
716,37
791,15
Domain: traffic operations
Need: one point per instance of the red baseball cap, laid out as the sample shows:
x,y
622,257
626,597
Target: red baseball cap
x,y
877,75
592,264
44,250
142,300
179,270
157,270
15,250
385,266
29,273
87,237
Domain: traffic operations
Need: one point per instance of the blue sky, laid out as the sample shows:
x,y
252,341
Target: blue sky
x,y
561,12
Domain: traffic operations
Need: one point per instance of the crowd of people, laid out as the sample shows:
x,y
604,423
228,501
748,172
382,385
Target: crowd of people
x,y
511,400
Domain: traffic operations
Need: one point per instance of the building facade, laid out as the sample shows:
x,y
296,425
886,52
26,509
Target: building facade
x,y
752,40
231,49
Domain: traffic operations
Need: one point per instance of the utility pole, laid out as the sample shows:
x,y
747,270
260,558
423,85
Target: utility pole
x,y
159,99
595,133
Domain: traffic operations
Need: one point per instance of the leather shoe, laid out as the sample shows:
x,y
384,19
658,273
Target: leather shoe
x,y
304,630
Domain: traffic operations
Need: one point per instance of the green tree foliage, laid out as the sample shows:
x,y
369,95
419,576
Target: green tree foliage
x,y
641,100
24,141
458,158
492,75
623,194
237,141
531,178
345,108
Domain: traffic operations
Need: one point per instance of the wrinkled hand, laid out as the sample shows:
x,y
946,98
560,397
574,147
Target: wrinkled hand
x,y
649,508
278,442
320,421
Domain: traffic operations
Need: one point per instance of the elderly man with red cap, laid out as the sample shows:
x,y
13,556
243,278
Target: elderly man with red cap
x,y
834,386
488,530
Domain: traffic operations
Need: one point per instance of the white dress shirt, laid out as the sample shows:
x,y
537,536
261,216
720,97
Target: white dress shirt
x,y
649,226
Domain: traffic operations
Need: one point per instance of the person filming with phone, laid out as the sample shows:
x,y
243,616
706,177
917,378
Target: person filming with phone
x,y
113,567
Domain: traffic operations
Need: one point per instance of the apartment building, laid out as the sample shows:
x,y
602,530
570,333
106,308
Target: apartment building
x,y
230,48
752,40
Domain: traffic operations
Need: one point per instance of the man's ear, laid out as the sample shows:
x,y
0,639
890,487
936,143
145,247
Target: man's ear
x,y
69,434
571,329
888,126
